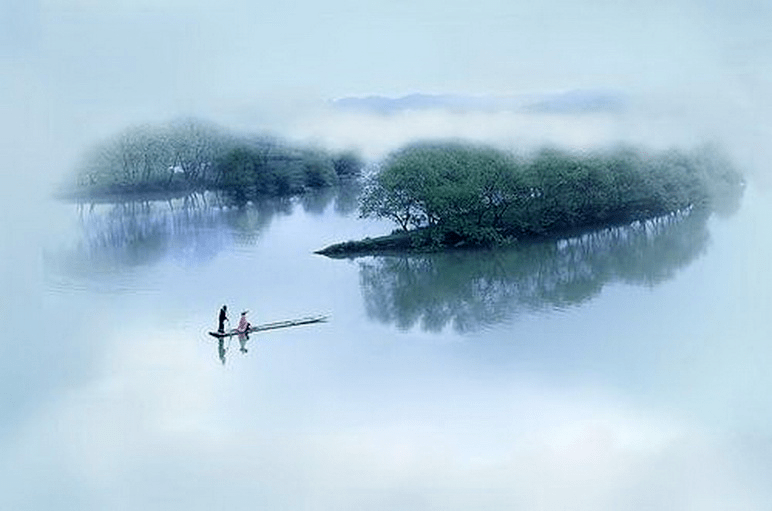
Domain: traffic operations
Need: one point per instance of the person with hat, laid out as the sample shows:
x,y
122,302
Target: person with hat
x,y
244,325
243,330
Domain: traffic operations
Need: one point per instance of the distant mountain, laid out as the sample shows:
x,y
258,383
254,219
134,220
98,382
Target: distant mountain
x,y
572,102
579,101
383,104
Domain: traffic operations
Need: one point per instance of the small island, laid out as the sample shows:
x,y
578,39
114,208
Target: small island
x,y
453,194
191,155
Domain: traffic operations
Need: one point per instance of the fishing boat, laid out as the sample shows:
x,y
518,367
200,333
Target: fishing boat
x,y
271,326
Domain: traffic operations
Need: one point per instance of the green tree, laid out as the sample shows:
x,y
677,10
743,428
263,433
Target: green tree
x,y
384,198
477,194
348,165
456,189
237,171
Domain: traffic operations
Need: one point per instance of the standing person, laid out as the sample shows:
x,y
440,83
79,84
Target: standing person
x,y
223,318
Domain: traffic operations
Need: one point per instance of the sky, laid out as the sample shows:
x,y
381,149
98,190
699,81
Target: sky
x,y
75,71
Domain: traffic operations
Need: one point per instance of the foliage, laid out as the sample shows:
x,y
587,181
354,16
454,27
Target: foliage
x,y
348,165
479,195
143,158
193,155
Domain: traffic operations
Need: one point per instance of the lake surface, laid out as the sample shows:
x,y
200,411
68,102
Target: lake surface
x,y
623,370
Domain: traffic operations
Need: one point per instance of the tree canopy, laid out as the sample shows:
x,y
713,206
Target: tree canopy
x,y
477,194
195,155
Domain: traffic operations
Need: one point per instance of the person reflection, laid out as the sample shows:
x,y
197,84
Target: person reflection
x,y
221,350
242,333
243,338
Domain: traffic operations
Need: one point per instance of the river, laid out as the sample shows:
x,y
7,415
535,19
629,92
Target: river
x,y
623,370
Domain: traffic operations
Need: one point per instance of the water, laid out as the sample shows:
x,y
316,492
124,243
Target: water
x,y
623,370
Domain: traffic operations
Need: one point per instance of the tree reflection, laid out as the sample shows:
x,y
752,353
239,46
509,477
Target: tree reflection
x,y
472,289
194,228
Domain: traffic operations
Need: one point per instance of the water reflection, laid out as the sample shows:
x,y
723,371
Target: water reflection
x,y
243,338
221,350
470,290
193,229
224,346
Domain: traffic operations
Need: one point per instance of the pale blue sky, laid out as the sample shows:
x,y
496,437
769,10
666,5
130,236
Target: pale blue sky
x,y
198,51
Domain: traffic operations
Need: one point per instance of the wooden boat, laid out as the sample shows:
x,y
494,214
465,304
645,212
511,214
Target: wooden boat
x,y
271,326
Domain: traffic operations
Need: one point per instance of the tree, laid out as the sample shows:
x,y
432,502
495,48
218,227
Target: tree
x,y
194,146
237,171
476,194
348,165
458,189
383,198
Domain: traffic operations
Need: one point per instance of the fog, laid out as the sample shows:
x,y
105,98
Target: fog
x,y
690,72
77,70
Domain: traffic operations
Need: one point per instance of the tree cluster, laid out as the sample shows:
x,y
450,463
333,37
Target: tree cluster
x,y
194,155
462,193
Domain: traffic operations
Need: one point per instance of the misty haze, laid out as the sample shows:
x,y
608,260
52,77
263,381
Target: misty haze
x,y
574,314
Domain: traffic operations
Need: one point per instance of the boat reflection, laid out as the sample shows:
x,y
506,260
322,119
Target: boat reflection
x,y
223,346
243,337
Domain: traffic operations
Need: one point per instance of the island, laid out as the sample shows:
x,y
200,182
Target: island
x,y
439,194
193,155
445,195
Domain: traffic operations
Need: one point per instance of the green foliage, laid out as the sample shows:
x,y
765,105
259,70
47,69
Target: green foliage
x,y
466,194
192,155
262,167
318,169
464,189
348,165
237,170
385,198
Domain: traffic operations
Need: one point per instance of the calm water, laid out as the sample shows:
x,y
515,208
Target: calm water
x,y
624,370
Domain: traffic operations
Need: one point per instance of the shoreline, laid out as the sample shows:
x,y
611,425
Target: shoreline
x,y
420,241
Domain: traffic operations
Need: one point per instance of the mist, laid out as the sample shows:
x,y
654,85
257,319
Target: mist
x,y
547,420
75,71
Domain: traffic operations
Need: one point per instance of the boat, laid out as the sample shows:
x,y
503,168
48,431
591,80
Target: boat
x,y
271,326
